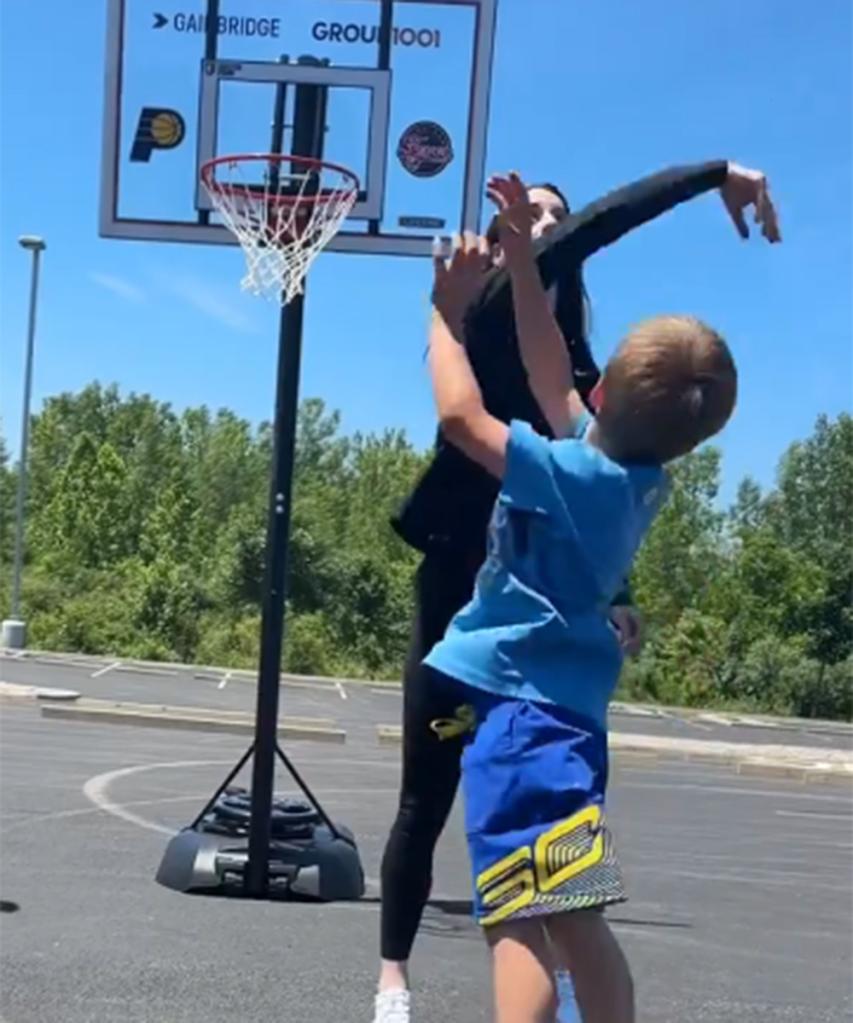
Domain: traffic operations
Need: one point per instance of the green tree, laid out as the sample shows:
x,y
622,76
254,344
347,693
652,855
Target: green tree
x,y
684,548
685,663
8,489
812,512
147,533
85,523
143,433
749,511
766,588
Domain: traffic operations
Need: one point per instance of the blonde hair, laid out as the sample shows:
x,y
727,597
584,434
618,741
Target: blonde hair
x,y
671,385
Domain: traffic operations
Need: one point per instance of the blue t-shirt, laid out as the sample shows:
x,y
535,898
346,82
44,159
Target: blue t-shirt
x,y
564,531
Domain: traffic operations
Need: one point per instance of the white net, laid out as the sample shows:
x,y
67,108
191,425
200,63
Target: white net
x,y
283,222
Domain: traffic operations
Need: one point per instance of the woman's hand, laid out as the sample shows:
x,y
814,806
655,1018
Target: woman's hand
x,y
457,281
743,188
516,215
629,625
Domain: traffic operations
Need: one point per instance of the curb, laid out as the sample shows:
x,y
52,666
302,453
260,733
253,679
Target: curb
x,y
142,715
802,764
13,691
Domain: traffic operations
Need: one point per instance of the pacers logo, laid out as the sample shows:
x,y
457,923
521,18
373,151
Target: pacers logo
x,y
425,149
158,128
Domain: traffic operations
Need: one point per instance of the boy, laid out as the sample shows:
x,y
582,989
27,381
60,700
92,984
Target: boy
x,y
533,657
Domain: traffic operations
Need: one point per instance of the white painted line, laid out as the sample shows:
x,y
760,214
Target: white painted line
x,y
715,719
633,710
88,811
340,688
819,816
224,681
96,791
104,670
693,723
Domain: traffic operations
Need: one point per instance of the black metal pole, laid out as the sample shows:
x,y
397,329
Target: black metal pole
x,y
383,63
307,141
211,47
386,31
272,619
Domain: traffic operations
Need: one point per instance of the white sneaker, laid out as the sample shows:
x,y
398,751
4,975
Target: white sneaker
x,y
392,1006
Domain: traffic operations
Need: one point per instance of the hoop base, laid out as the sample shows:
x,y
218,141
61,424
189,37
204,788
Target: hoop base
x,y
324,868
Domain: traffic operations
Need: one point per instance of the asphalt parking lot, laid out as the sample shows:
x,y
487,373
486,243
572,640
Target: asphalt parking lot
x,y
741,887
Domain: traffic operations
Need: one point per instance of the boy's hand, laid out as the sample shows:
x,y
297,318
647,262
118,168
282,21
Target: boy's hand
x,y
629,627
515,215
745,187
458,280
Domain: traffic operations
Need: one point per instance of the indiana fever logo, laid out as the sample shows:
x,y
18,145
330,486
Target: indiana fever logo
x,y
425,149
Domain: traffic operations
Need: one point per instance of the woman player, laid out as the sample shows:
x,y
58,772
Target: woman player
x,y
446,516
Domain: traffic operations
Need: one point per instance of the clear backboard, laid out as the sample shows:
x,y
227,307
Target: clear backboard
x,y
187,82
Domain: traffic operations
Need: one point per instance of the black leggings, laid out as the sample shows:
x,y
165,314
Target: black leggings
x,y
443,584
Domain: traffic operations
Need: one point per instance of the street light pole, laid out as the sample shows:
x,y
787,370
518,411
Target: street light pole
x,y
14,629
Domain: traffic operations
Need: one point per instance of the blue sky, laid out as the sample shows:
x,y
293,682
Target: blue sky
x,y
589,95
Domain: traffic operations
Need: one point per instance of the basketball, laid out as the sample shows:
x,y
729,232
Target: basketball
x,y
166,129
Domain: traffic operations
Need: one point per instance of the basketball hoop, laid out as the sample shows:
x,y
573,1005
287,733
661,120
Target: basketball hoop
x,y
284,222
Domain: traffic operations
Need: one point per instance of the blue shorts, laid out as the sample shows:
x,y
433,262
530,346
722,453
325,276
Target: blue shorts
x,y
533,778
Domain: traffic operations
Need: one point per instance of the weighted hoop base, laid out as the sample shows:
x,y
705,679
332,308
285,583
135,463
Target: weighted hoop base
x,y
322,867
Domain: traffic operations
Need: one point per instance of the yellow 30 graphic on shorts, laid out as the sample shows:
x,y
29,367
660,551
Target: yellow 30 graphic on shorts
x,y
568,866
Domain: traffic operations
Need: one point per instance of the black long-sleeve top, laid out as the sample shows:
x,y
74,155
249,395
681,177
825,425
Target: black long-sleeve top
x,y
450,505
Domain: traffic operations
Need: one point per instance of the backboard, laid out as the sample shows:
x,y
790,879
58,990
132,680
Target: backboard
x,y
186,82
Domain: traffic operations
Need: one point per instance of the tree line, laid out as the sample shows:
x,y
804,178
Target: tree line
x,y
145,538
